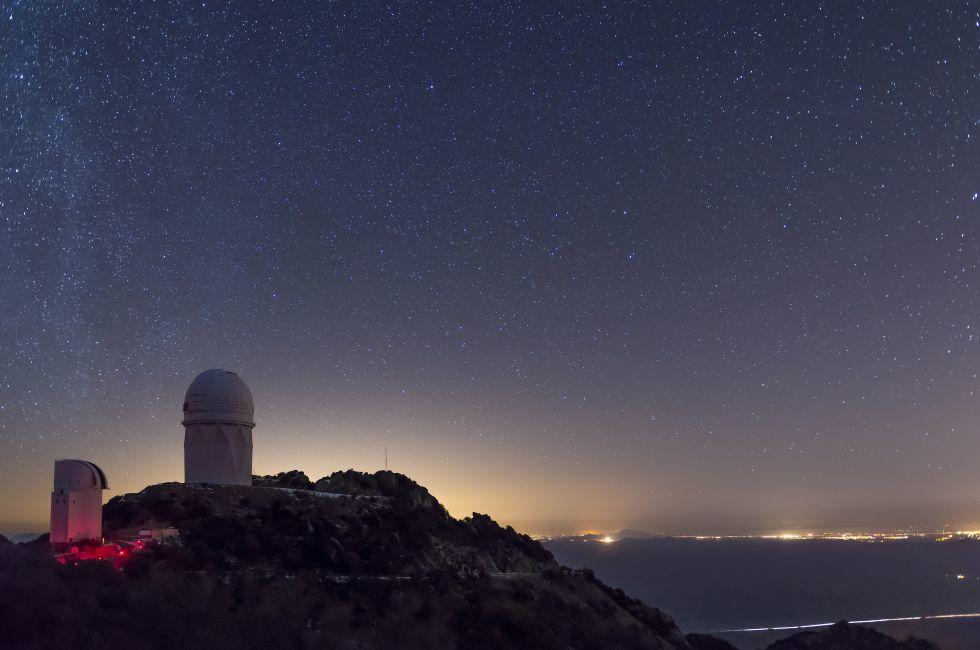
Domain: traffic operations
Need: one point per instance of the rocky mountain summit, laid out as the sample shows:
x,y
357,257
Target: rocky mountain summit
x,y
352,560
347,524
376,557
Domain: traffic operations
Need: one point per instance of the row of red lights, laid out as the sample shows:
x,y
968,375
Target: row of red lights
x,y
110,552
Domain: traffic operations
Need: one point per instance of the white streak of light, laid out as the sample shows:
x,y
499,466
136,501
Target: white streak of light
x,y
780,628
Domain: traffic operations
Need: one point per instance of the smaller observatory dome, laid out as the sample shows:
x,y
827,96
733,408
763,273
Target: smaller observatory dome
x,y
72,474
218,396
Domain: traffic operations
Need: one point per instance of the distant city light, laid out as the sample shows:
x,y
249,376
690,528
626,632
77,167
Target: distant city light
x,y
866,536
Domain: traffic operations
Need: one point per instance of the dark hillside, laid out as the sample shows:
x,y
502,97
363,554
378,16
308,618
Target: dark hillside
x,y
351,561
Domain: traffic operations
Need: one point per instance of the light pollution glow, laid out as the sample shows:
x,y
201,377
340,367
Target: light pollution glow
x,y
537,492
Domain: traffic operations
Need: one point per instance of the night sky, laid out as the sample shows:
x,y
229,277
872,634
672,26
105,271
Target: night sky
x,y
689,267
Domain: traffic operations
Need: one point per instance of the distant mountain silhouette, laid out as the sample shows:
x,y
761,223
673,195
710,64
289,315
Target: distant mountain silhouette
x,y
351,560
840,636
626,533
629,533
844,636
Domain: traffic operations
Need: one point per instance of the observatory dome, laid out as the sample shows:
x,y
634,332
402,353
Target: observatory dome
x,y
72,474
218,396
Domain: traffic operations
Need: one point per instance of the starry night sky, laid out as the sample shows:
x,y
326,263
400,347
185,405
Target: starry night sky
x,y
688,267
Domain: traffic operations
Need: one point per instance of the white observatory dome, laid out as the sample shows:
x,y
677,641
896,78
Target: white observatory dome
x,y
76,501
218,396
72,474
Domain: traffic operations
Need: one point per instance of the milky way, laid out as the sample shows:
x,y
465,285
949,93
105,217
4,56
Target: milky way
x,y
686,267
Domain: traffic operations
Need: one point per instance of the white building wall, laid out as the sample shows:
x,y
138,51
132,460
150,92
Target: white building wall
x,y
218,453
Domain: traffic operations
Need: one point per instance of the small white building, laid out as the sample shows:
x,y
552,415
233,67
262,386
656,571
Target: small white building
x,y
76,501
218,421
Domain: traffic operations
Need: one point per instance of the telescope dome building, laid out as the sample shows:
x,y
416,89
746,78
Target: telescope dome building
x,y
218,419
76,501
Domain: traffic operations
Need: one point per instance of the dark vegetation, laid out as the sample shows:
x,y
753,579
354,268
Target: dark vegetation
x,y
350,561
293,479
156,604
708,642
